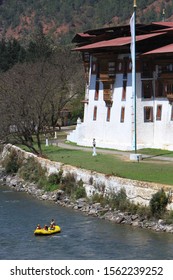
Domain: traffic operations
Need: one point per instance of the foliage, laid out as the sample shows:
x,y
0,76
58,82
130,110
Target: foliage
x,y
11,52
75,15
158,203
35,99
12,162
54,178
72,188
168,217
32,171
120,201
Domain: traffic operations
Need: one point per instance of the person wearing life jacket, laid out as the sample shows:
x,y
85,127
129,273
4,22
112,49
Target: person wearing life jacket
x,y
52,223
38,226
45,227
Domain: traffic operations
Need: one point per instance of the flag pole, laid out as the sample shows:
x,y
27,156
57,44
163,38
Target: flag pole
x,y
134,74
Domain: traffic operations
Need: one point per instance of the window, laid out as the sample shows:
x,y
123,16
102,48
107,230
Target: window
x,y
95,113
124,90
111,69
159,92
147,89
159,112
108,114
125,67
96,97
172,113
146,71
122,114
168,87
148,114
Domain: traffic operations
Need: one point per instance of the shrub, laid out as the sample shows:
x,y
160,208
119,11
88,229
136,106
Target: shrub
x,y
158,203
12,162
144,211
68,184
55,178
99,198
120,201
33,171
80,192
169,217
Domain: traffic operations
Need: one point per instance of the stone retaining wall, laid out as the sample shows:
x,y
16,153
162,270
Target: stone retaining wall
x,y
94,182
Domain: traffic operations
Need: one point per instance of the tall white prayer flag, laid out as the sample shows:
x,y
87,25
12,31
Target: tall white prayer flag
x,y
133,58
132,30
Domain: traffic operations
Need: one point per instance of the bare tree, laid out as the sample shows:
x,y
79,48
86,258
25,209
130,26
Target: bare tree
x,y
32,96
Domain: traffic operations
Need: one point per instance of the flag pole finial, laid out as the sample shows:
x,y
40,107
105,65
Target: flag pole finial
x,y
134,4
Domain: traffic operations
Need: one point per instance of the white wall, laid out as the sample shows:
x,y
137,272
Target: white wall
x,y
117,135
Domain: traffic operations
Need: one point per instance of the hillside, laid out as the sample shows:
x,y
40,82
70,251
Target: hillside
x,y
61,19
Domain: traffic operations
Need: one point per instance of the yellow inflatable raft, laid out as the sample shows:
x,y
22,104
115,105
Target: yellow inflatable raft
x,y
43,231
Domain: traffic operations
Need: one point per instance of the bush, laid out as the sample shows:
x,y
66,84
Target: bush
x,y
168,217
32,171
12,162
55,178
68,184
99,198
80,192
158,203
120,201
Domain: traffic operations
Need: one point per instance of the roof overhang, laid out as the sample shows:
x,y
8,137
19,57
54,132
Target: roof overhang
x,y
163,50
117,42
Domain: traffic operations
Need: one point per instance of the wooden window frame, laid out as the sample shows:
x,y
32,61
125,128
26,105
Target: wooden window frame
x,y
125,67
122,117
146,69
97,86
124,90
147,89
172,113
95,113
159,113
148,114
108,114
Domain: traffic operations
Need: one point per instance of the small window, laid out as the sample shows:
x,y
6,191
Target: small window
x,y
108,114
125,67
96,97
147,89
148,114
146,71
95,113
159,112
159,92
122,114
168,87
124,90
172,113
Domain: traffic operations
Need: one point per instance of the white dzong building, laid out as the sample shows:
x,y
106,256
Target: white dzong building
x,y
109,105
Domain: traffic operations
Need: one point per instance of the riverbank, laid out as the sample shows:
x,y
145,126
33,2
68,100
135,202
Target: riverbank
x,y
83,205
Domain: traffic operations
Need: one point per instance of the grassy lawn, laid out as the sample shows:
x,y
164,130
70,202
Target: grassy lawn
x,y
156,171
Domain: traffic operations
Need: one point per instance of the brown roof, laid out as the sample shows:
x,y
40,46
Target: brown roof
x,y
117,42
165,49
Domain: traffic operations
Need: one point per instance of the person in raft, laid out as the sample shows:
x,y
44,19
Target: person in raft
x,y
38,226
52,224
46,227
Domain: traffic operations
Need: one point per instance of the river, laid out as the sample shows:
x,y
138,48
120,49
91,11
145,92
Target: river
x,y
82,237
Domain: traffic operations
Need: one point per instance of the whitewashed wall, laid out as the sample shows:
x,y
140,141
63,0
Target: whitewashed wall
x,y
117,135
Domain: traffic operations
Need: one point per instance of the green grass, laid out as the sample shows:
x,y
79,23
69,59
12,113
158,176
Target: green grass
x,y
159,172
156,152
